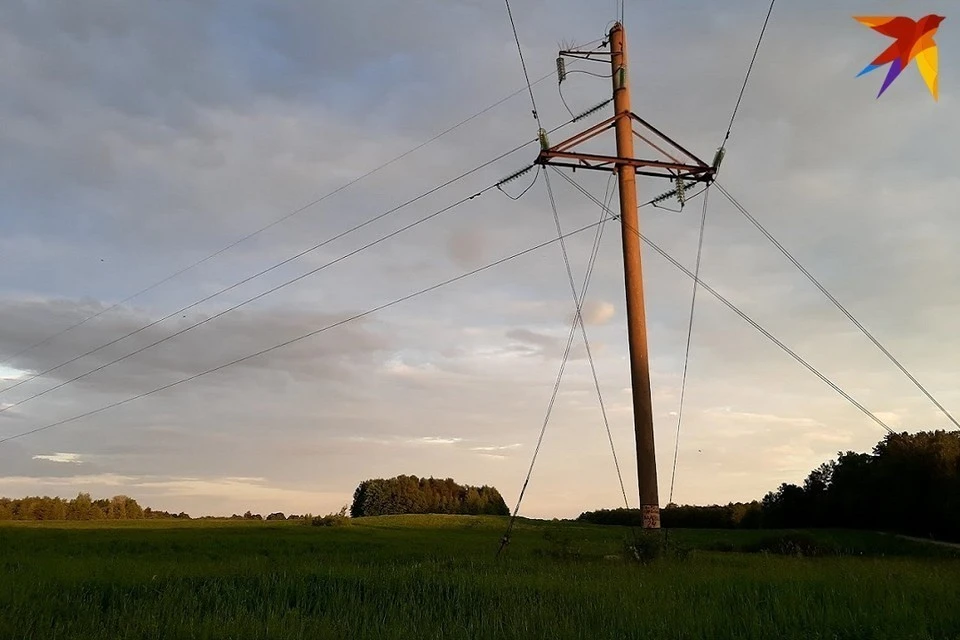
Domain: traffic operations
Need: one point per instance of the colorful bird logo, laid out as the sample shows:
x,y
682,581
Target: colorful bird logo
x,y
914,39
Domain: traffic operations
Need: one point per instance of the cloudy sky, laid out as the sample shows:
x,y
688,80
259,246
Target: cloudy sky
x,y
140,138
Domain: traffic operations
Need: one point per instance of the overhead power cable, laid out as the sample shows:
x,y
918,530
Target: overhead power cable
x,y
253,299
742,315
866,332
299,338
284,218
270,268
286,261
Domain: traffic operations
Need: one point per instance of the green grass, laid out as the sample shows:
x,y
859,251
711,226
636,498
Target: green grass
x,y
437,577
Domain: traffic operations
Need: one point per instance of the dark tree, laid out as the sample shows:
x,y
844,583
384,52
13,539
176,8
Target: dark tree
x,y
909,483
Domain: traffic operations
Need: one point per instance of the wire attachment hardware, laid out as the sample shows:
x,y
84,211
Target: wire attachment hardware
x,y
544,141
680,192
663,196
717,159
592,110
513,176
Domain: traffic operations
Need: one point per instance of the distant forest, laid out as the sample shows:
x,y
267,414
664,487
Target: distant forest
x,y
80,508
116,508
909,484
410,494
403,494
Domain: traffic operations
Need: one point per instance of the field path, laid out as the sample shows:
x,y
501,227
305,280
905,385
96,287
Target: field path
x,y
942,543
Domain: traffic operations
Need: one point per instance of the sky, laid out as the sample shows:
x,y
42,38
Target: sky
x,y
140,138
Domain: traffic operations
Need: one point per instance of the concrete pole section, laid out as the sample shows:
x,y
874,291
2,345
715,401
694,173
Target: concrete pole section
x,y
633,279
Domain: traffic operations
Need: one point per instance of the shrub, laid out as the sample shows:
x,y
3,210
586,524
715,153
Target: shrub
x,y
794,544
560,544
646,546
331,519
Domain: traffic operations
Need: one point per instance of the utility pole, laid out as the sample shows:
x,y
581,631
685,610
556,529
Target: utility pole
x,y
627,166
633,280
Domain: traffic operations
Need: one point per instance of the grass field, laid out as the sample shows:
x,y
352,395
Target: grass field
x,y
437,577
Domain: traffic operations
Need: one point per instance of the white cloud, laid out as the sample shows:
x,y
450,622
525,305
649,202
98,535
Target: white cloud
x,y
72,458
597,312
433,440
9,374
497,448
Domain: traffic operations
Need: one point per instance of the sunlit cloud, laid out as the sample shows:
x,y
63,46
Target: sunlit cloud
x,y
72,458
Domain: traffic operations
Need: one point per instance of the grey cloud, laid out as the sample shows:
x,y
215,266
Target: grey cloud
x,y
533,338
222,340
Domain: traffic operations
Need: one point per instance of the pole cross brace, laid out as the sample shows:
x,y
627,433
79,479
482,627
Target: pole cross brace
x,y
680,163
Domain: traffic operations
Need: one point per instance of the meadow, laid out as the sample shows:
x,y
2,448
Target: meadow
x,y
439,577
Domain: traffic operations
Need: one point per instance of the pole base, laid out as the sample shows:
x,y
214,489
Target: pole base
x,y
650,516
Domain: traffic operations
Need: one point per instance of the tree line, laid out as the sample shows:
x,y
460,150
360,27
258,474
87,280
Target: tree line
x,y
403,494
908,483
410,494
83,507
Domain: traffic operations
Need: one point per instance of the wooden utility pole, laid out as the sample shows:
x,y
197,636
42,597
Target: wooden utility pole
x,y
633,280
627,166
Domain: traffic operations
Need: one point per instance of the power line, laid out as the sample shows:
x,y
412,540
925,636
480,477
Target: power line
x,y
747,76
299,338
274,266
277,221
743,315
769,236
686,355
249,300
282,263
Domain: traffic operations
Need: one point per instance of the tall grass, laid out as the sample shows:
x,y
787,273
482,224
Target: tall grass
x,y
437,577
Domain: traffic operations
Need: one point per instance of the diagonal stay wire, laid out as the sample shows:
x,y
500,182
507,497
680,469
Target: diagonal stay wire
x,y
563,364
753,220
254,298
274,266
276,222
743,316
310,334
596,382
583,331
686,355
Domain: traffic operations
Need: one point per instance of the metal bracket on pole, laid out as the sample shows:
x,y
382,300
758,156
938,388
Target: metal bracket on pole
x,y
678,163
